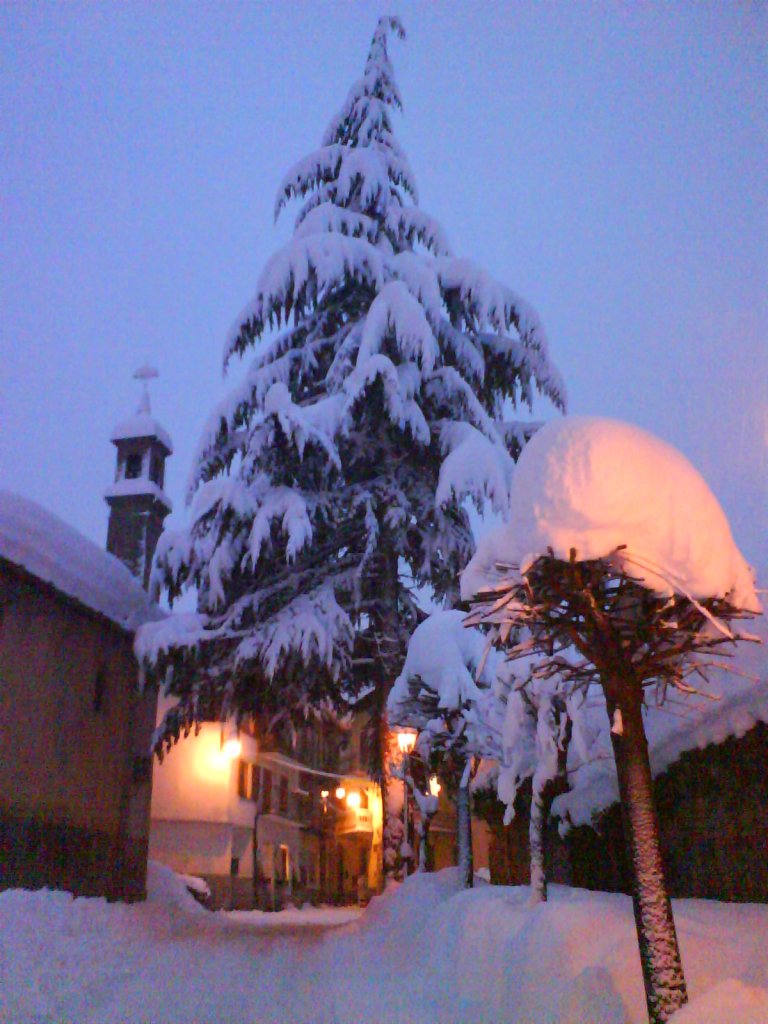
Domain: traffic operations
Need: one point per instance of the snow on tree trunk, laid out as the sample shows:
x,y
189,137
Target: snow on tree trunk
x,y
464,833
665,989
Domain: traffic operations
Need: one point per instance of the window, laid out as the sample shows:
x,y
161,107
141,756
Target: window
x,y
266,789
243,780
283,864
283,795
133,466
100,692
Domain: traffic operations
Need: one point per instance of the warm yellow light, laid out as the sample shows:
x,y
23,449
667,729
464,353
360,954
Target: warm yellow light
x,y
232,748
324,794
434,785
353,799
340,793
406,740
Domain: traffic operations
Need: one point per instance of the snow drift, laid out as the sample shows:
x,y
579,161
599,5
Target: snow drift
x,y
422,953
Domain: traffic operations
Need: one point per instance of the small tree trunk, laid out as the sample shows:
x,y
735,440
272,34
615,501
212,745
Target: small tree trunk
x,y
665,990
426,859
464,828
537,840
384,619
541,806
423,839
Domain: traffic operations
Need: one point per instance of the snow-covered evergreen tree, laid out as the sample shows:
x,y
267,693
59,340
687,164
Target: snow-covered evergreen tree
x,y
447,670
332,482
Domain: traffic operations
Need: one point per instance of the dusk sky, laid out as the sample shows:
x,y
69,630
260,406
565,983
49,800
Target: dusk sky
x,y
606,161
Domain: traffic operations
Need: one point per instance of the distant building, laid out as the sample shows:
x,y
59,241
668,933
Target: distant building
x,y
265,823
75,771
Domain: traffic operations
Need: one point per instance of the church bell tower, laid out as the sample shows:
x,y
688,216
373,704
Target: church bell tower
x,y
137,502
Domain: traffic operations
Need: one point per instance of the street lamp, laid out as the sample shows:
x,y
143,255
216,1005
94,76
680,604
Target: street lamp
x,y
434,786
230,743
406,741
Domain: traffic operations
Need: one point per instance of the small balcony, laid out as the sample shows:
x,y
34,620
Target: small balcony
x,y
355,820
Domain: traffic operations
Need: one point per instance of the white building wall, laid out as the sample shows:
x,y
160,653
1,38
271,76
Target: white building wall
x,y
199,823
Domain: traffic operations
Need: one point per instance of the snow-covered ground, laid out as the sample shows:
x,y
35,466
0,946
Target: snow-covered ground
x,y
423,953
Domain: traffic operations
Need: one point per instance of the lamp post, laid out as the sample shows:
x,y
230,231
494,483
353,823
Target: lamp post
x,y
406,740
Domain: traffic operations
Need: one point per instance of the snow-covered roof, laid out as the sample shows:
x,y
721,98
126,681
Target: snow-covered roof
x,y
43,545
123,488
610,489
679,725
141,424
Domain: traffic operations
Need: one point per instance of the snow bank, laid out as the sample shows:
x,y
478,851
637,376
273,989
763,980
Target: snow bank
x,y
423,953
595,485
44,546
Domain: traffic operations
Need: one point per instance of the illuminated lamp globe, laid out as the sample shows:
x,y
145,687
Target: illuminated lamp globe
x,y
406,740
434,785
353,799
340,792
232,748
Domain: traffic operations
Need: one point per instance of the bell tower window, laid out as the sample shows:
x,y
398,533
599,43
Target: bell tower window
x,y
133,466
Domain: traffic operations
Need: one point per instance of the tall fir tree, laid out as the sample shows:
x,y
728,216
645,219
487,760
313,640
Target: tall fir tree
x,y
332,483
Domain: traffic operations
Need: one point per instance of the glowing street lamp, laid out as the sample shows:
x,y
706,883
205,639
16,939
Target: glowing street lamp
x,y
434,786
340,792
231,744
406,741
353,799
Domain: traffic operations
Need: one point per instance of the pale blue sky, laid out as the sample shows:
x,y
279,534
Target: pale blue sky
x,y
606,161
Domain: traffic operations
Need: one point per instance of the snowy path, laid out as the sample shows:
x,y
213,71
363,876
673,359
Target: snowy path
x,y
423,954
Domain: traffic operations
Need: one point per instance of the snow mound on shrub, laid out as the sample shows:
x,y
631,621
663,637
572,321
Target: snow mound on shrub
x,y
166,888
596,485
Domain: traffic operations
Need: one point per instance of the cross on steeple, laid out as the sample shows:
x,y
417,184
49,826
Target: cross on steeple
x,y
145,374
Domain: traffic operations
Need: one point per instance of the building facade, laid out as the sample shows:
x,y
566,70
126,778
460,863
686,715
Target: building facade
x,y
75,775
267,822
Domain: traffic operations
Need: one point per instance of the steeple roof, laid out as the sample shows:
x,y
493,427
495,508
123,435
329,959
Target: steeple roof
x,y
143,423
